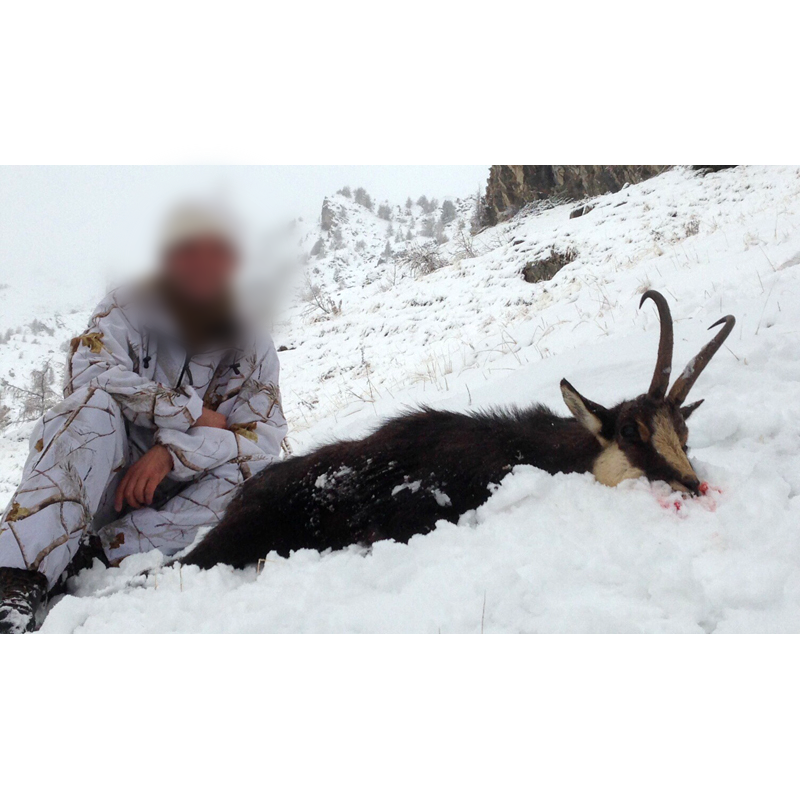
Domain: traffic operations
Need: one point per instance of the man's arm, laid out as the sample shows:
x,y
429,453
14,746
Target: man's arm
x,y
138,486
254,432
106,356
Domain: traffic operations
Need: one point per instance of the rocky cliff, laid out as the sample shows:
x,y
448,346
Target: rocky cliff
x,y
511,187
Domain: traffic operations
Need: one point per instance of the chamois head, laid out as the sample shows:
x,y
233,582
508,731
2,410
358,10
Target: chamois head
x,y
647,436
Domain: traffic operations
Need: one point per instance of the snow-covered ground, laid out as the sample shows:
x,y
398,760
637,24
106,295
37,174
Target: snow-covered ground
x,y
545,553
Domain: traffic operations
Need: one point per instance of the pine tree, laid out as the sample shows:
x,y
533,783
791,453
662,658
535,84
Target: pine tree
x,y
448,212
38,396
361,196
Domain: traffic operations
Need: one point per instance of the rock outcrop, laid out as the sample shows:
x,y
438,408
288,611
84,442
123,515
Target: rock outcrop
x,y
512,187
327,216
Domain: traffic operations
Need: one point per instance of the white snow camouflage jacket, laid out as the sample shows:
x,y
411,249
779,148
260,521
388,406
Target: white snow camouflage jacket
x,y
132,351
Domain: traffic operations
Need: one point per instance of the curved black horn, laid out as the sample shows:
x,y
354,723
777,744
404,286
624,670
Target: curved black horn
x,y
682,386
660,383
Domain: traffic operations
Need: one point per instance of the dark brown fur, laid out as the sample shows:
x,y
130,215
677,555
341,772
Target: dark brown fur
x,y
347,493
431,465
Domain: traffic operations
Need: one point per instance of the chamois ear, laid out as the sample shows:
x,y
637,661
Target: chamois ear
x,y
591,415
687,411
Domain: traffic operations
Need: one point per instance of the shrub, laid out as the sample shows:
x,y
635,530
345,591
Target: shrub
x,y
318,298
422,259
465,246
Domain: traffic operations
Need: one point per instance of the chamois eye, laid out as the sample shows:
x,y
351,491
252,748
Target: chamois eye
x,y
628,432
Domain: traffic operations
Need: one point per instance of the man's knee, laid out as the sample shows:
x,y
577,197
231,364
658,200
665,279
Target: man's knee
x,y
89,418
228,477
229,472
92,397
88,399
215,488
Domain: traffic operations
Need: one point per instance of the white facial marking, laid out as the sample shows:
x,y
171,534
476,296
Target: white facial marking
x,y
612,467
668,445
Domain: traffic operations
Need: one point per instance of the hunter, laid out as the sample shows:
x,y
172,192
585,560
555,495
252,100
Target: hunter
x,y
171,401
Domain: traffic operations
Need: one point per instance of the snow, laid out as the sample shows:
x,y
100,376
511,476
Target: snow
x,y
412,487
441,498
545,553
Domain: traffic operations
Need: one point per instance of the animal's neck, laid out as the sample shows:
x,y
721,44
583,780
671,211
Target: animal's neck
x,y
559,444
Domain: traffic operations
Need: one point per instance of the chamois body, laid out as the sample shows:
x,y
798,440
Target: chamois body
x,y
413,471
431,465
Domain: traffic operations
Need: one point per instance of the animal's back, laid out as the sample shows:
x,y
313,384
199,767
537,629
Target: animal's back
x,y
413,471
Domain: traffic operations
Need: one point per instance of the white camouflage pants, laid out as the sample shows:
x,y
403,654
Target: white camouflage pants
x,y
79,451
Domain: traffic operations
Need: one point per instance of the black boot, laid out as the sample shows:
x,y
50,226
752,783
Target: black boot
x,y
22,594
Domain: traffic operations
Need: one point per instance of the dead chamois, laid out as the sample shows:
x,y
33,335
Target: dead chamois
x,y
430,465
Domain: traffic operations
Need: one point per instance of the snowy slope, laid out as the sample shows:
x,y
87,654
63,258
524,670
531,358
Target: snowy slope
x,y
545,553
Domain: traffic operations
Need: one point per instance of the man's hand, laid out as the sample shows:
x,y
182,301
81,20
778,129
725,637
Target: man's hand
x,y
211,419
141,480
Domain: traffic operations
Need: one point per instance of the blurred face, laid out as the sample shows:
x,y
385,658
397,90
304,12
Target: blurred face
x,y
202,269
